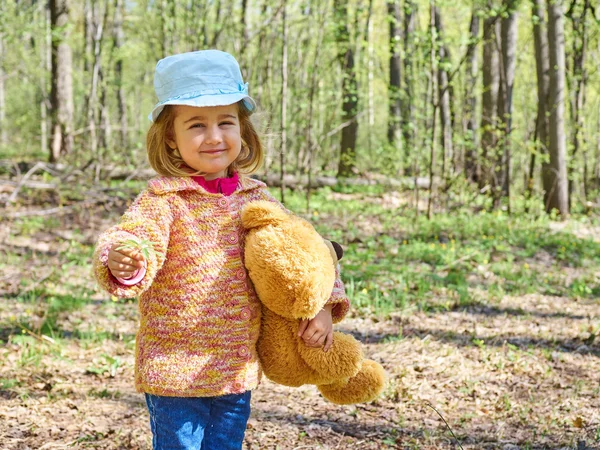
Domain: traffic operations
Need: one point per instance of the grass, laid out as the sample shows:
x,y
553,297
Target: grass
x,y
452,260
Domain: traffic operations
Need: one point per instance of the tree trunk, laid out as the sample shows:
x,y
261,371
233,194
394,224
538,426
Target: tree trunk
x,y
88,34
435,102
347,161
444,97
61,95
408,110
542,64
470,127
310,141
558,196
118,41
580,41
284,78
507,75
394,134
491,81
3,133
92,113
46,65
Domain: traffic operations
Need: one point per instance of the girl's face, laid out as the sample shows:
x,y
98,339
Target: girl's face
x,y
208,138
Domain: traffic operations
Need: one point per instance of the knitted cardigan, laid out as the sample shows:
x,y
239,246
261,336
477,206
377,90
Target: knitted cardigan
x,y
199,313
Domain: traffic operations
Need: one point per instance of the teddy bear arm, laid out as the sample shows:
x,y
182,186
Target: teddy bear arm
x,y
342,360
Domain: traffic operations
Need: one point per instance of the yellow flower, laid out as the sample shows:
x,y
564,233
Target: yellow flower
x,y
526,266
114,298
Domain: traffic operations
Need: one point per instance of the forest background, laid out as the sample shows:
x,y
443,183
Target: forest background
x,y
452,147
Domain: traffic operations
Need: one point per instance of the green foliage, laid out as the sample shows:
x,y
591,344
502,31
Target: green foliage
x,y
450,261
107,364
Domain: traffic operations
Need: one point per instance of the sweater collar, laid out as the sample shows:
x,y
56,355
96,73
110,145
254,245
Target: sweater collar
x,y
225,186
163,185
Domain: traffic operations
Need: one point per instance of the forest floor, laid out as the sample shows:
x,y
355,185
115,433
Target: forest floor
x,y
515,370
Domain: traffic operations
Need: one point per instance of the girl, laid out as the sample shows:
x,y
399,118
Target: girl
x,y
199,314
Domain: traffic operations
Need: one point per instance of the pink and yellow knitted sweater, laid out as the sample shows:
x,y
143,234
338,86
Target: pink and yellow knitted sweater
x,y
199,313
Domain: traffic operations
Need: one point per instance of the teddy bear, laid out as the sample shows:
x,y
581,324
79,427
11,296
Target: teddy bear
x,y
293,272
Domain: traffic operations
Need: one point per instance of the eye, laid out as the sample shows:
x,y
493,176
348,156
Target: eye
x,y
226,123
197,125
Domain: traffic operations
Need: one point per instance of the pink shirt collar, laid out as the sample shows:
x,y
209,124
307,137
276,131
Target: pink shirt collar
x,y
225,186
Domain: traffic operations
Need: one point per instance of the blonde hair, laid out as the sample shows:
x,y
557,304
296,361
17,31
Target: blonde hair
x,y
168,162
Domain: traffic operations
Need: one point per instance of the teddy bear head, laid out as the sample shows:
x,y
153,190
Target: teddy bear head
x,y
291,266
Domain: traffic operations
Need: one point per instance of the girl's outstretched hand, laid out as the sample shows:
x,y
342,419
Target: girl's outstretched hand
x,y
124,262
318,332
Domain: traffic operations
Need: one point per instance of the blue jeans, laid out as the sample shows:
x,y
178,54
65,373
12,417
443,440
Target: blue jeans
x,y
198,423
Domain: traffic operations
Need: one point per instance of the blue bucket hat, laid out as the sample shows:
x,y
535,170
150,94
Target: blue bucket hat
x,y
203,78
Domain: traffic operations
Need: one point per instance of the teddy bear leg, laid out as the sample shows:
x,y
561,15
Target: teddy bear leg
x,y
366,386
342,360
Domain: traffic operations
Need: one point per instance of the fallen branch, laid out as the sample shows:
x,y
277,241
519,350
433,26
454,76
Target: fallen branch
x,y
22,181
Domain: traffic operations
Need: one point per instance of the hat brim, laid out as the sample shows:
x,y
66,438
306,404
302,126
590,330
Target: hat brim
x,y
205,100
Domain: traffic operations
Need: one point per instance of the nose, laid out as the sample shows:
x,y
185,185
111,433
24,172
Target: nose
x,y
213,135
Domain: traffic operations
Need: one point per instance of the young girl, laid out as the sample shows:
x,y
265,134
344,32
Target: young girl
x,y
196,360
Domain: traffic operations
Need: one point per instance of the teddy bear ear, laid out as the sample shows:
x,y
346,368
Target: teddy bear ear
x,y
260,213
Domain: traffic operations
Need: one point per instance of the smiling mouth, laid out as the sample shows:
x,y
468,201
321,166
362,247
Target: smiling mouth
x,y
213,151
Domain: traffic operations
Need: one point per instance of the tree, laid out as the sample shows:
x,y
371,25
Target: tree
x,y
444,95
489,119
118,40
470,128
61,95
347,162
408,110
508,43
394,135
557,142
542,65
578,88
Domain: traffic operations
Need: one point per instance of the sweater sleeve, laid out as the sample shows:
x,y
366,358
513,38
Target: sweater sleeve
x,y
338,298
149,218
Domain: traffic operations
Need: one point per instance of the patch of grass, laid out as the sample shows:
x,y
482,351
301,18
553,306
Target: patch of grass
x,y
443,262
106,364
104,393
28,226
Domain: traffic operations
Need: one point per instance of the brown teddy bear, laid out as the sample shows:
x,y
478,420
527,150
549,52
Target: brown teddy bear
x,y
293,271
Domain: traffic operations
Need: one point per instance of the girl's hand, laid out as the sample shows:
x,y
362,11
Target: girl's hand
x,y
124,262
318,332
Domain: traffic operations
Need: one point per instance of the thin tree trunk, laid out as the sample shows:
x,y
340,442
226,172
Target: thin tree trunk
x,y
88,34
284,80
558,196
347,161
435,103
118,41
370,76
311,95
542,64
470,117
491,81
3,133
580,41
92,113
508,54
443,98
243,34
394,134
61,96
46,65
408,110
